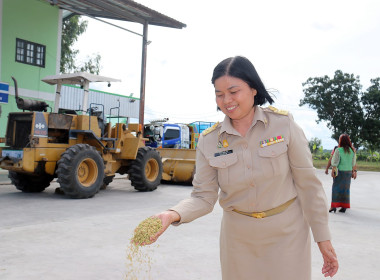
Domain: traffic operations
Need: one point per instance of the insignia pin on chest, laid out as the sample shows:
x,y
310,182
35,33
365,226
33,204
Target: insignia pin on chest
x,y
225,143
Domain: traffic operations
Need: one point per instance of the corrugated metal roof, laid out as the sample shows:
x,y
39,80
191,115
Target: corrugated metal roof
x,y
124,10
72,98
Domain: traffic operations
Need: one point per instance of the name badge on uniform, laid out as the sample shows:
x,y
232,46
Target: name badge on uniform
x,y
271,141
223,153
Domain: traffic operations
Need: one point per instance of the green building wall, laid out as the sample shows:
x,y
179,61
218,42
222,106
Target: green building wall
x,y
38,22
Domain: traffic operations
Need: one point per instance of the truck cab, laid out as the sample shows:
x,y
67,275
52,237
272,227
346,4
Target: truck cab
x,y
176,136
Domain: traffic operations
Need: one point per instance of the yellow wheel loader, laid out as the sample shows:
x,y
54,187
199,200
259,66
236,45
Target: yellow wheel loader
x,y
83,151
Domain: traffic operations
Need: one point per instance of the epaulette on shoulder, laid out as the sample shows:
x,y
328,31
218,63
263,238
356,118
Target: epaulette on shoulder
x,y
278,111
210,129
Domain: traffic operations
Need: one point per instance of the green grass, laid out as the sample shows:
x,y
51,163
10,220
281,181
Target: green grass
x,y
362,165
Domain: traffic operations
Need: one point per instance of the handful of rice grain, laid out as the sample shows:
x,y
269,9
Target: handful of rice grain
x,y
145,230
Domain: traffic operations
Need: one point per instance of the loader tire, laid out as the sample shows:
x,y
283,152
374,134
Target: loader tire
x,y
80,171
29,183
145,171
106,181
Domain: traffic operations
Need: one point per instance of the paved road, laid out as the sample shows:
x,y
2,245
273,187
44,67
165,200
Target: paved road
x,y
4,176
48,236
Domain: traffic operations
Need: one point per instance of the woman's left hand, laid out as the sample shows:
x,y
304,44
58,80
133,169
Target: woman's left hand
x,y
330,261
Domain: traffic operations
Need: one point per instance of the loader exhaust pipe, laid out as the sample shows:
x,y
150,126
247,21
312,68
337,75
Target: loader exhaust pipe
x,y
28,104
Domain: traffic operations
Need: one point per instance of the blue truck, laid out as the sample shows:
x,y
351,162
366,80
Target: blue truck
x,y
176,135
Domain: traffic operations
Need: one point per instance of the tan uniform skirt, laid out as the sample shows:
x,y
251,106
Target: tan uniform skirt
x,y
272,248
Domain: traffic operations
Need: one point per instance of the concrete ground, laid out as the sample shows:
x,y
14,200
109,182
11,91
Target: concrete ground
x,y
48,236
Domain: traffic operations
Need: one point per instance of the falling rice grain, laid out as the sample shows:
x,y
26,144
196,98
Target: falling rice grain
x,y
139,258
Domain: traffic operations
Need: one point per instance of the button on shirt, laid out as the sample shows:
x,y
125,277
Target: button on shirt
x,y
251,177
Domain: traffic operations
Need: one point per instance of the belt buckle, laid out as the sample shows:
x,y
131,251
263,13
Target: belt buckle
x,y
258,215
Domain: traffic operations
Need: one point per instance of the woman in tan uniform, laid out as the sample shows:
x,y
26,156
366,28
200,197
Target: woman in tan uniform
x,y
257,162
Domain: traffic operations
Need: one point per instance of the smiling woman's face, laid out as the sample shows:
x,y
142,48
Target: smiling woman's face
x,y
234,97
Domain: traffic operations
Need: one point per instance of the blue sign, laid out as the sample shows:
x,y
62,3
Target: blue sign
x,y
4,92
4,87
3,97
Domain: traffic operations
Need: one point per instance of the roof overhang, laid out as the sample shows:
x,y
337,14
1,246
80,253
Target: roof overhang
x,y
124,10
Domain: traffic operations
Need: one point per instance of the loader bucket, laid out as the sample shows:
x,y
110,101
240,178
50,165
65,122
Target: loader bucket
x,y
178,165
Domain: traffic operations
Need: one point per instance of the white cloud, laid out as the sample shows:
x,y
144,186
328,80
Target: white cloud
x,y
288,42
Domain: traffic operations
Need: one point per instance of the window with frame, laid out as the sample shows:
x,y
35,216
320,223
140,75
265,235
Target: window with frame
x,y
30,53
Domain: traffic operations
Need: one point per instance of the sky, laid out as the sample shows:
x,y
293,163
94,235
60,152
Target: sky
x,y
287,41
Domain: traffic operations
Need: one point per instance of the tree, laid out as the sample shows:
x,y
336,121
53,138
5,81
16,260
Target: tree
x,y
72,28
371,106
337,101
315,145
92,65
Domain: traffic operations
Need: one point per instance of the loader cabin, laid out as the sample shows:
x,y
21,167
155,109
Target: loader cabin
x,y
30,43
83,79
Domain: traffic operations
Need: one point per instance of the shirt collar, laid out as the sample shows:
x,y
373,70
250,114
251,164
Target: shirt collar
x,y
259,116
227,126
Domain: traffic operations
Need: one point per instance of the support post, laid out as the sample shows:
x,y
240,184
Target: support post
x,y
143,75
86,87
57,98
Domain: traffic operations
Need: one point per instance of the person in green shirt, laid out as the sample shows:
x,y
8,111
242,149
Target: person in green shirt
x,y
344,168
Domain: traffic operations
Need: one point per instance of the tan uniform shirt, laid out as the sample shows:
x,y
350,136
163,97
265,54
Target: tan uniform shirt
x,y
251,177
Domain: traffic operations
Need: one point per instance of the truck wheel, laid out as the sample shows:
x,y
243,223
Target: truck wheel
x,y
145,171
29,183
80,171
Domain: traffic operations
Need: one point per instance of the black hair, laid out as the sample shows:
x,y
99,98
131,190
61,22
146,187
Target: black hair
x,y
240,67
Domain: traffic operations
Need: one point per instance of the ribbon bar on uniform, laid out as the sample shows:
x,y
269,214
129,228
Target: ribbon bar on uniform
x,y
271,141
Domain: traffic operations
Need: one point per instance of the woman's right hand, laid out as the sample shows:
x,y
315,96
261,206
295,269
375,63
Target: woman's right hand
x,y
167,218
